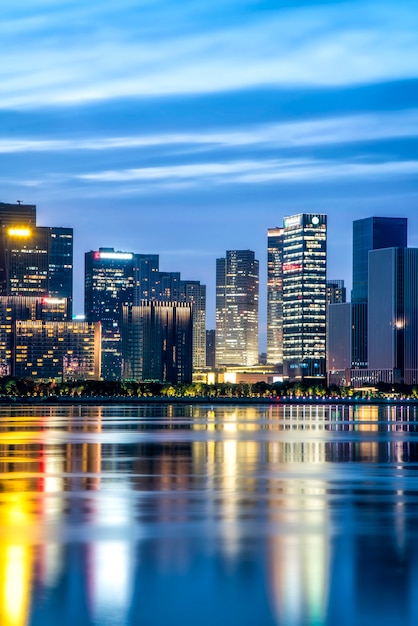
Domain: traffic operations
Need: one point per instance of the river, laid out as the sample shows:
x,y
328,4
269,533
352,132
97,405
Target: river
x,y
178,514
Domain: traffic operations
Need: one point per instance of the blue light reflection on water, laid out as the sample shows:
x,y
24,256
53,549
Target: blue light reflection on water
x,y
170,514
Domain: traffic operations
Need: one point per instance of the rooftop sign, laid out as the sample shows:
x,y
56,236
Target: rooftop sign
x,y
119,256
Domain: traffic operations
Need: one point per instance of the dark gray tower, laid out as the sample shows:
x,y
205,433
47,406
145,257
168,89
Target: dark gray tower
x,y
371,233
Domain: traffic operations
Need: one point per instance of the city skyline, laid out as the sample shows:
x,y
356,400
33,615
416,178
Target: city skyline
x,y
200,127
79,281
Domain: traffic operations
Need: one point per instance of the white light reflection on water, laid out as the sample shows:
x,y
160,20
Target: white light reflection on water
x,y
152,514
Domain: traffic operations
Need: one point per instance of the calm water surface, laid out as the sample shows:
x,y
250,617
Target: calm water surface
x,y
212,515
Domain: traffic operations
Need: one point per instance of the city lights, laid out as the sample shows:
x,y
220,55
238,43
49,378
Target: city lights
x,y
119,256
19,232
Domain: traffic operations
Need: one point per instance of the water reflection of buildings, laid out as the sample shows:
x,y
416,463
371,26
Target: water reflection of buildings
x,y
229,460
327,564
327,512
298,552
35,498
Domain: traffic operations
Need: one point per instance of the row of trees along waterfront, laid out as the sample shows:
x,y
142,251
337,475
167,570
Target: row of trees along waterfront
x,y
11,387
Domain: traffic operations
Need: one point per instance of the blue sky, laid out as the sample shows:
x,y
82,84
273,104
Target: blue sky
x,y
188,128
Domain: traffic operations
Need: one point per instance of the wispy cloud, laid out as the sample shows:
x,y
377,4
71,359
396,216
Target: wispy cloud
x,y
255,172
335,130
143,52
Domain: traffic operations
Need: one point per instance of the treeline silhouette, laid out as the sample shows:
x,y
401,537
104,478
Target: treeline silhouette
x,y
21,388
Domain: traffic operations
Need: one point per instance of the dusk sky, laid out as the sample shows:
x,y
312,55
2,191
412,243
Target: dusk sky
x,y
188,128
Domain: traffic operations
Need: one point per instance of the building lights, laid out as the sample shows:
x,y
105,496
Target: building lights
x,y
119,256
19,232
54,300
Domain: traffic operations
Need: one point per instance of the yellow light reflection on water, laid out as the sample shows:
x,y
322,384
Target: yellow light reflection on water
x,y
15,563
368,415
16,560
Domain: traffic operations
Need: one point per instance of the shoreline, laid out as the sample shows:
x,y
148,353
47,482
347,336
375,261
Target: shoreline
x,y
92,400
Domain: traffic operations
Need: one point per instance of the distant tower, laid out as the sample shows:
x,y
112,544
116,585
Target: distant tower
x,y
210,348
275,296
146,277
336,292
168,287
195,293
237,284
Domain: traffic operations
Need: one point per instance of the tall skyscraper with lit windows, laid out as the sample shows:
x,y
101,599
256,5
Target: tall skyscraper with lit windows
x,y
193,292
157,342
109,284
237,285
297,295
146,277
336,292
35,261
275,296
304,295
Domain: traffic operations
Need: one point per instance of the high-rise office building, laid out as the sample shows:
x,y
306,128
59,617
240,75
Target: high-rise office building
x,y
195,293
275,296
17,214
34,260
60,263
157,342
109,284
237,284
393,315
146,277
24,308
304,295
210,348
168,288
336,292
114,279
374,259
371,233
24,261
339,341
46,350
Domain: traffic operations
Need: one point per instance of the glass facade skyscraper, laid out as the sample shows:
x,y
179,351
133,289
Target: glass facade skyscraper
x,y
157,342
116,279
237,285
34,260
109,284
393,320
336,292
275,296
146,277
60,266
304,295
193,292
373,233
17,214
